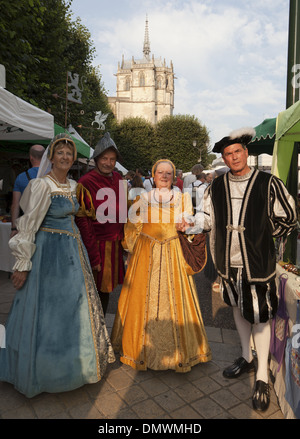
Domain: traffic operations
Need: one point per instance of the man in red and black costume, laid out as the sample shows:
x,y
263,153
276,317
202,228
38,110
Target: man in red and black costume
x,y
102,201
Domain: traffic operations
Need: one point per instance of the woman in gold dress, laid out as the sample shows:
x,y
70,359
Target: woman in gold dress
x,y
159,324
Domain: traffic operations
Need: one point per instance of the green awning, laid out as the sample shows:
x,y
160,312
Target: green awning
x,y
263,141
22,146
83,149
287,133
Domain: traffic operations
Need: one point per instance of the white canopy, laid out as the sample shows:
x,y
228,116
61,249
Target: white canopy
x,y
20,120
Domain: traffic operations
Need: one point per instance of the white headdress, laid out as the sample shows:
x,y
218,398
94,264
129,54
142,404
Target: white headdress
x,y
46,164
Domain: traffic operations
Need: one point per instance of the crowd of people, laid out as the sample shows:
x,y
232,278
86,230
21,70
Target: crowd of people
x,y
73,239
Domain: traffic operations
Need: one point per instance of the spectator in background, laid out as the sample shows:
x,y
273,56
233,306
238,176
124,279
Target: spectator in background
x,y
35,156
148,184
188,179
129,176
178,180
209,178
139,172
200,189
200,181
136,189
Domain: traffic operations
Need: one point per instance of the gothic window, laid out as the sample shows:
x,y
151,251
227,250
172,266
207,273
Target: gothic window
x,y
142,80
169,82
127,84
159,82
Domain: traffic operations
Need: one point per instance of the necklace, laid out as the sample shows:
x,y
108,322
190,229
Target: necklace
x,y
163,202
67,189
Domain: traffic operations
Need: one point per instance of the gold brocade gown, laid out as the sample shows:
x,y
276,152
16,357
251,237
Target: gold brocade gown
x,y
159,324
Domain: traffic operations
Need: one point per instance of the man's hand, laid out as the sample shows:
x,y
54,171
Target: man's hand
x,y
183,225
18,278
97,268
13,233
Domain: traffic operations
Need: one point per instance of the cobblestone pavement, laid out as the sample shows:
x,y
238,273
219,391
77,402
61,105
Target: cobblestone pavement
x,y
125,393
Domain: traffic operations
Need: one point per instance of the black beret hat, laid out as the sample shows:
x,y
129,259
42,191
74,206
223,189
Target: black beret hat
x,y
242,136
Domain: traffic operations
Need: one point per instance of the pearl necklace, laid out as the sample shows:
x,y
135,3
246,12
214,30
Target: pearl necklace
x,y
66,190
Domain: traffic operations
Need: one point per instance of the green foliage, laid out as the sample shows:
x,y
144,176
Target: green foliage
x,y
134,138
93,99
142,144
174,140
39,44
211,158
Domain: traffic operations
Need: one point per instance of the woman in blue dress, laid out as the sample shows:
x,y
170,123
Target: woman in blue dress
x,y
56,337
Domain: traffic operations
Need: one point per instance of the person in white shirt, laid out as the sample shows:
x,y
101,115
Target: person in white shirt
x,y
188,179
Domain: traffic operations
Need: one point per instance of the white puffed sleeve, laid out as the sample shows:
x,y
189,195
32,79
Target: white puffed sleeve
x,y
35,203
283,214
202,220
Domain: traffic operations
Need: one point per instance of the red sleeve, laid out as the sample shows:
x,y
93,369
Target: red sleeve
x,y
84,220
85,226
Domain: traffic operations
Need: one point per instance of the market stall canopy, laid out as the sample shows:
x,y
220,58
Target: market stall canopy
x,y
83,149
75,134
22,123
21,146
287,133
20,120
264,139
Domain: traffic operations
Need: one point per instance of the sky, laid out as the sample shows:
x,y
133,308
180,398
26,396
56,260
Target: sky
x,y
229,57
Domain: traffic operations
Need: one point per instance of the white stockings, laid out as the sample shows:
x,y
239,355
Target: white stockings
x,y
261,333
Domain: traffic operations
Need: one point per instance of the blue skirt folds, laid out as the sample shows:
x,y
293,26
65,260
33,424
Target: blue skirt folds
x,y
56,337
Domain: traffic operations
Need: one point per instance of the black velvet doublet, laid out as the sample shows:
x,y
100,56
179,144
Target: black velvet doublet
x,y
255,228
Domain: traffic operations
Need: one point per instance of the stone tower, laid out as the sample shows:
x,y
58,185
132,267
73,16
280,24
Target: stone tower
x,y
145,87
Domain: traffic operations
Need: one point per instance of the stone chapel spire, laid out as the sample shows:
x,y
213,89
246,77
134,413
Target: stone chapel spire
x,y
145,86
146,48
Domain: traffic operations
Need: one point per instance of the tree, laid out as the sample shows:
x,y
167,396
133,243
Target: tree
x,y
20,23
210,158
134,137
141,144
174,137
93,99
39,45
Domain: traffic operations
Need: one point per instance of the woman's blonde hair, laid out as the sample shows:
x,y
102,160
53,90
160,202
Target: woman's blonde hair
x,y
154,167
63,139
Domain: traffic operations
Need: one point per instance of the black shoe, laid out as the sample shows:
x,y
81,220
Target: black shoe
x,y
237,368
261,396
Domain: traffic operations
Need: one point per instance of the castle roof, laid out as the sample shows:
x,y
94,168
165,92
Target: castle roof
x,y
156,62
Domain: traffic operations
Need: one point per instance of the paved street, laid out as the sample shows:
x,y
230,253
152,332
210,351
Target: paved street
x,y
124,393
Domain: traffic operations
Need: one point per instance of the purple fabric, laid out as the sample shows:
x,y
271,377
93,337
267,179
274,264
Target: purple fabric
x,y
279,332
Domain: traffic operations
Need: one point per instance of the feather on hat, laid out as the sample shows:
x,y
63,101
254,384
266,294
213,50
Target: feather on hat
x,y
241,135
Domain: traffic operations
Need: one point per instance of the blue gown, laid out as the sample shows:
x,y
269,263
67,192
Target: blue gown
x,y
56,337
